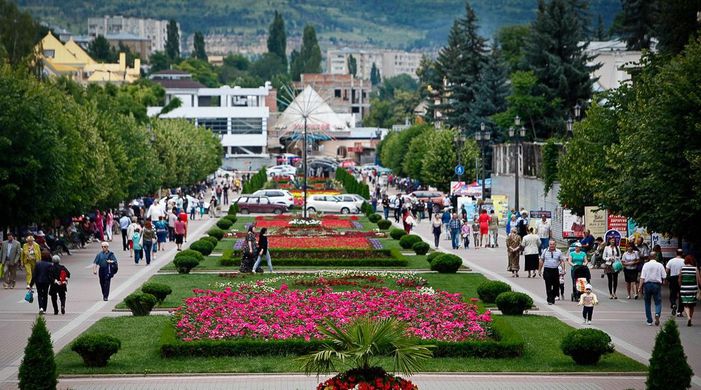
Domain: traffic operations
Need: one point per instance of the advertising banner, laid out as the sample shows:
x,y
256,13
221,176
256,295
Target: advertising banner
x,y
470,207
595,221
618,222
501,207
668,244
572,225
461,188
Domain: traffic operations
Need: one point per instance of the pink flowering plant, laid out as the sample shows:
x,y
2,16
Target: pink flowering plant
x,y
283,313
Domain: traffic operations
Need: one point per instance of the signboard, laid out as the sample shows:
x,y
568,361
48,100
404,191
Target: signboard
x,y
595,221
501,207
668,244
466,203
538,214
615,234
461,188
572,225
618,222
459,170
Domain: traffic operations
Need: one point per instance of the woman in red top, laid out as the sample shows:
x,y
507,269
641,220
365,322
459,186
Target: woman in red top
x,y
484,227
183,218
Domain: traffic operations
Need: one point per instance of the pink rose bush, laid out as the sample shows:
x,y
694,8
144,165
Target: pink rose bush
x,y
284,313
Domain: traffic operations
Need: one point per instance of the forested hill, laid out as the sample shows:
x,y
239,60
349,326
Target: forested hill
x,y
396,23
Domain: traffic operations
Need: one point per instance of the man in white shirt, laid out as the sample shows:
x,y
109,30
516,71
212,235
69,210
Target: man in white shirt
x,y
544,233
651,278
123,226
674,267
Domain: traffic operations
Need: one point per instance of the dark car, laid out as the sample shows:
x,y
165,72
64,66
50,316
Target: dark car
x,y
259,204
435,196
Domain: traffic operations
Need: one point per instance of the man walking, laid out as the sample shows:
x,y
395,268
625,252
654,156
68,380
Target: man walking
x,y
544,232
124,223
9,258
106,263
41,277
651,279
674,267
550,260
454,226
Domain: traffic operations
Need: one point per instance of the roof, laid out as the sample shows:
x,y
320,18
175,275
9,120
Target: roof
x,y
171,71
78,52
179,84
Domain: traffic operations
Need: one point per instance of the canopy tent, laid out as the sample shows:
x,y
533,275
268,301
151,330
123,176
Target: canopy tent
x,y
321,119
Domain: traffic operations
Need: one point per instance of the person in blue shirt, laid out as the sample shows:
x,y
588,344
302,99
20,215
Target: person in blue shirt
x,y
106,263
446,219
587,242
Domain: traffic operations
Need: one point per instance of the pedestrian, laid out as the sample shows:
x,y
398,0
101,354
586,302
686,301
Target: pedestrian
x,y
408,221
577,259
436,227
179,233
59,284
41,277
630,270
429,208
522,224
212,207
161,233
674,267
148,237
183,217
612,266
373,202
106,263
124,223
193,209
172,217
466,232
454,226
137,245
484,228
562,272
109,224
10,254
445,218
31,253
531,251
385,206
513,249
549,261
225,191
250,250
689,280
130,233
475,234
587,301
544,232
493,229
651,278
263,251
99,225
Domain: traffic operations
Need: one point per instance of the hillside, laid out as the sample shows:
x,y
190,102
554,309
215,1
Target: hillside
x,y
395,23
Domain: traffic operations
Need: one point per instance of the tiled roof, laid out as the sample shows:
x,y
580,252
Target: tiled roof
x,y
179,84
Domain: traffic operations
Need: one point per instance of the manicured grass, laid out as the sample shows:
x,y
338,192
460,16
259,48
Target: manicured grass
x,y
140,353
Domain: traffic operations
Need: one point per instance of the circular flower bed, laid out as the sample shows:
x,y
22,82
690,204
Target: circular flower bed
x,y
373,379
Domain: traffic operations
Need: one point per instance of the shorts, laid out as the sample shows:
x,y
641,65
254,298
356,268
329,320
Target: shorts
x,y
179,238
631,275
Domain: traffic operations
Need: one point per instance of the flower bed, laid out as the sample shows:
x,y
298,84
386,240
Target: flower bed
x,y
331,222
319,242
294,314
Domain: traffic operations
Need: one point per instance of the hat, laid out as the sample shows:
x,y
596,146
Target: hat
x,y
587,287
578,244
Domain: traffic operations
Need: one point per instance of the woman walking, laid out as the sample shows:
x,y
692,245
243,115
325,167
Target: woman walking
x,y
250,250
612,257
436,226
263,251
466,232
513,248
148,238
689,280
99,226
531,250
161,233
630,261
109,225
137,240
476,234
484,228
59,284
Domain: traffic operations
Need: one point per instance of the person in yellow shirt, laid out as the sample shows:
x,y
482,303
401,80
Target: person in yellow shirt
x,y
31,253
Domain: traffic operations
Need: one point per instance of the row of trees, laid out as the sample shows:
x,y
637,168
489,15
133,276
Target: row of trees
x,y
65,149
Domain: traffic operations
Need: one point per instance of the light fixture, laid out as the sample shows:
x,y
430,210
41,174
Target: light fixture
x,y
569,125
577,110
511,132
522,131
517,121
482,126
478,136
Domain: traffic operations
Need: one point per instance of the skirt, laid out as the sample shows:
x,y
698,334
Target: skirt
x,y
631,275
532,262
514,265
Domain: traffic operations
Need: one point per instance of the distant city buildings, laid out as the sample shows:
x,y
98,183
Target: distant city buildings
x,y
614,57
343,92
390,63
156,31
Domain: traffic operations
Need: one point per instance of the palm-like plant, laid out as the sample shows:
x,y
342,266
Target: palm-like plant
x,y
362,342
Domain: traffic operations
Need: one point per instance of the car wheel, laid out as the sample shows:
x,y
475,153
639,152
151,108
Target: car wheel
x,y
244,211
277,211
311,210
345,210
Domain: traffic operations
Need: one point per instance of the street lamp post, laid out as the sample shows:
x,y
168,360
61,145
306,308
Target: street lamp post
x,y
482,136
517,134
304,165
459,141
378,133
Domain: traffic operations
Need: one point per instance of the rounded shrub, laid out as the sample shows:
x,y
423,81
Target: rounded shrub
x,y
212,240
396,233
216,233
190,253
231,218
158,290
203,246
96,349
586,346
489,291
384,224
421,248
513,303
140,303
432,256
409,240
233,209
185,264
227,261
224,224
446,263
374,218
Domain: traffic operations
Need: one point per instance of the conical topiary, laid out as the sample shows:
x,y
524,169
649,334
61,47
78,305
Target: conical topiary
x,y
38,368
668,366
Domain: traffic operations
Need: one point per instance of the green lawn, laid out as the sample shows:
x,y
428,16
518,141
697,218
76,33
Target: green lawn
x,y
140,353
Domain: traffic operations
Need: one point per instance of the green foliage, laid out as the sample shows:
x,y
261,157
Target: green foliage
x,y
513,303
432,256
190,253
256,182
228,261
212,240
669,368
101,51
446,263
38,368
374,218
185,264
224,224
637,22
158,290
384,224
551,153
201,70
172,41
397,233
490,290
233,209
440,160
277,38
308,59
420,248
524,101
96,349
586,346
375,76
18,35
512,40
352,65
200,51
676,23
216,233
408,241
140,303
203,246
352,186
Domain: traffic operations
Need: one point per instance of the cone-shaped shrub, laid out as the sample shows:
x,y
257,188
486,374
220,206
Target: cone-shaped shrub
x,y
38,368
668,366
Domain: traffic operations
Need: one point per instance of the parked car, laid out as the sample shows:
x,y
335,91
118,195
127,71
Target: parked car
x,y
281,170
283,197
258,204
330,203
357,200
435,196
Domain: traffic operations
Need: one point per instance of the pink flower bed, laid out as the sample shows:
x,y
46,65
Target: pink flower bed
x,y
285,313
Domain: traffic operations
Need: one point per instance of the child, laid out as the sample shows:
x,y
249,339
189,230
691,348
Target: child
x,y
562,273
476,234
587,301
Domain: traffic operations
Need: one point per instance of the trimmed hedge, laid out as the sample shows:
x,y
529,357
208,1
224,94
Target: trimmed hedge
x,y
231,218
255,183
158,290
433,255
409,240
513,303
397,233
190,253
96,349
140,303
216,233
228,262
211,239
185,264
446,263
506,343
384,224
374,218
349,183
224,224
233,209
421,248
586,346
489,291
203,246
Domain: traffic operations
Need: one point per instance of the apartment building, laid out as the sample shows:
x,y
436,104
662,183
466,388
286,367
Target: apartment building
x,y
154,30
390,63
344,93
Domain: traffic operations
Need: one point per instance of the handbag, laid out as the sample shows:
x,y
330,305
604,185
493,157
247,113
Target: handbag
x,y
2,270
29,296
617,266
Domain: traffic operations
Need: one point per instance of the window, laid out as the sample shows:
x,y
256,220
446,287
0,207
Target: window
x,y
216,125
337,93
49,53
225,149
342,151
246,150
263,200
246,126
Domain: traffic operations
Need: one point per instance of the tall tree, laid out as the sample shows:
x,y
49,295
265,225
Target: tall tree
x,y
200,51
460,63
277,38
524,101
101,50
17,34
375,77
512,41
309,58
492,90
600,34
636,23
555,52
676,23
173,41
352,65
158,61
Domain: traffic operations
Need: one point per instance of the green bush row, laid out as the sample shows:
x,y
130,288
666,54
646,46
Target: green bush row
x,y
351,185
256,182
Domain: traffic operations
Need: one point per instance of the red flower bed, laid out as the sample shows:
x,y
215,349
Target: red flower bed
x,y
338,242
330,221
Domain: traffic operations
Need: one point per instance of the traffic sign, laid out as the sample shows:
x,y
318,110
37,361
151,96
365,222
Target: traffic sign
x,y
459,170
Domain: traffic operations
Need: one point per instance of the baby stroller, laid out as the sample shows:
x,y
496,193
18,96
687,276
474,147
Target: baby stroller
x,y
581,276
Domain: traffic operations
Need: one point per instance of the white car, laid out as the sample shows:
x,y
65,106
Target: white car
x,y
331,204
281,170
357,200
283,197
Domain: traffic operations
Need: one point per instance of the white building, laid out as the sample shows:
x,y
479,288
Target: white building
x,y
152,29
390,63
613,57
239,116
